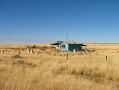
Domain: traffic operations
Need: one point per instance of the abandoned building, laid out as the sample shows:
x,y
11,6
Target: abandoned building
x,y
62,46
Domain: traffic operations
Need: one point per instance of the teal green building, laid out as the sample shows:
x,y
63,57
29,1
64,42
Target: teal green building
x,y
60,45
71,47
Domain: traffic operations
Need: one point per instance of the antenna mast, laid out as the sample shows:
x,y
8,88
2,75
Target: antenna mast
x,y
67,42
67,36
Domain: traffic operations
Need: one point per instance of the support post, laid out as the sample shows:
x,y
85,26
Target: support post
x,y
106,58
67,56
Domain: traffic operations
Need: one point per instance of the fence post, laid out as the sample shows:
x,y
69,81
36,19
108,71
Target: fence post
x,y
67,56
18,51
106,58
3,51
31,51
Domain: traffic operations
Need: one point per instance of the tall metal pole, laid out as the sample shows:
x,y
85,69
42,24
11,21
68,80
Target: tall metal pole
x,y
67,36
67,44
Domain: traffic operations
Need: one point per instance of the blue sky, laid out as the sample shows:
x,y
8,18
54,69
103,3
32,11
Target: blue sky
x,y
37,21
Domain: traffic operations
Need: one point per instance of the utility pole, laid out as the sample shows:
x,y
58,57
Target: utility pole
x,y
67,56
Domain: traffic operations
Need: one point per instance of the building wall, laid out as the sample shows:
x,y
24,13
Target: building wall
x,y
70,47
64,47
75,47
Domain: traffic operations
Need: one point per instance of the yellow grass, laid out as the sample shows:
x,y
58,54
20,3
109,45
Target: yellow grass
x,y
51,71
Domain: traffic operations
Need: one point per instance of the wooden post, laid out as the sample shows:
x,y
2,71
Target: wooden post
x,y
3,51
67,56
31,51
19,52
106,58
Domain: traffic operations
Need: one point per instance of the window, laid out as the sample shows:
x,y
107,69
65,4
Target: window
x,y
63,46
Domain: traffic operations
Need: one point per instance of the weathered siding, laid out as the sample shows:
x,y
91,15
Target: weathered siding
x,y
77,47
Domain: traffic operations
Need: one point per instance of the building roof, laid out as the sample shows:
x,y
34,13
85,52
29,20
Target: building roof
x,y
57,43
61,42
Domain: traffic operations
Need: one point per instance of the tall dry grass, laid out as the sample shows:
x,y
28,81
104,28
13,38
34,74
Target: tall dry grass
x,y
46,71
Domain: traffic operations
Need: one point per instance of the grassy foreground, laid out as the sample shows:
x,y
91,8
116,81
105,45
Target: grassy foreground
x,y
53,72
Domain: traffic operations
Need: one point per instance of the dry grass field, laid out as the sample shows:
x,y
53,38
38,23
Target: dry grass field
x,y
48,70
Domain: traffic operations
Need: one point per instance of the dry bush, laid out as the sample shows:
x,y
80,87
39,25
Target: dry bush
x,y
23,63
16,56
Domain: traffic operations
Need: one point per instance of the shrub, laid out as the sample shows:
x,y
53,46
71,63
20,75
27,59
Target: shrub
x,y
16,56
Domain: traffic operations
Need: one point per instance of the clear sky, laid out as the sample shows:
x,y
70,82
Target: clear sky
x,y
36,21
